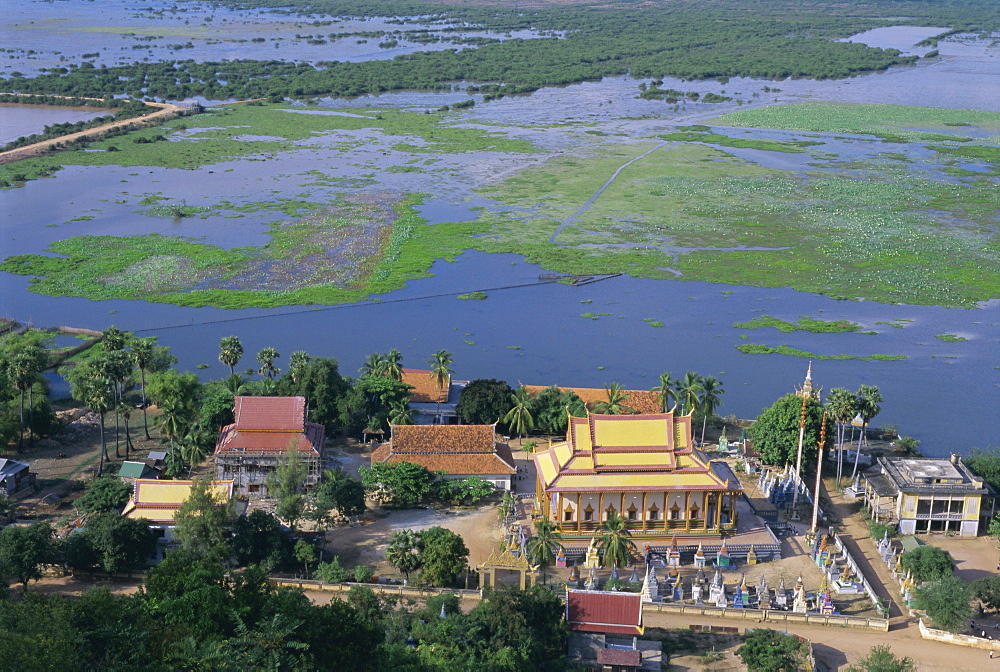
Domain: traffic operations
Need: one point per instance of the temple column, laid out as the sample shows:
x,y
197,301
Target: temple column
x,y
687,510
718,514
621,507
600,508
579,512
645,514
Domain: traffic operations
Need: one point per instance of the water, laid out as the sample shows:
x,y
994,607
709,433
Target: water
x,y
945,394
19,120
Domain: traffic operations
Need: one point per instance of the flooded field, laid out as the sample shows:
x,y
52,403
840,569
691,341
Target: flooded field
x,y
509,176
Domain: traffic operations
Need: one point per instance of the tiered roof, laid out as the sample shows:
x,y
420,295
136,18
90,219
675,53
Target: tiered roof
x,y
269,425
641,401
455,449
425,389
158,501
623,453
604,611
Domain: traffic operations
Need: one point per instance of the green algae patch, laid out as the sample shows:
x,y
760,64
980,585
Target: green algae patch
x,y
950,338
756,349
343,253
474,296
803,324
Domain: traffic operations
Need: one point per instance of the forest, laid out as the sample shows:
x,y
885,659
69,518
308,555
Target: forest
x,y
773,40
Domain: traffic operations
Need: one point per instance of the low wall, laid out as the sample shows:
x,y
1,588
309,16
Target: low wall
x,y
769,616
953,638
388,589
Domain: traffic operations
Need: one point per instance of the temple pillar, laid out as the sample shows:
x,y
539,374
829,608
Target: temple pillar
x,y
645,514
687,510
579,512
600,508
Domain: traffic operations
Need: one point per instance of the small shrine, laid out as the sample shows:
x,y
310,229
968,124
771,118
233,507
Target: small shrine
x,y
846,585
674,554
752,556
800,603
678,591
561,557
650,587
763,594
593,558
699,556
781,594
722,557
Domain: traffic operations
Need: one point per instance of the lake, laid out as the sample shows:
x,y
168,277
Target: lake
x,y
527,331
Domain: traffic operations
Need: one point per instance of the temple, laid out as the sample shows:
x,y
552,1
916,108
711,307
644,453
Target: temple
x,y
642,467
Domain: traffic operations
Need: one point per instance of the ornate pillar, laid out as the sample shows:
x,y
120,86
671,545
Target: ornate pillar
x,y
600,508
687,510
645,514
579,512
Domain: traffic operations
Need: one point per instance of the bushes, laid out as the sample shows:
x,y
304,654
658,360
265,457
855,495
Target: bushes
x,y
928,563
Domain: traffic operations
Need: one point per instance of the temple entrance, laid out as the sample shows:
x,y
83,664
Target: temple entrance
x,y
506,577
499,568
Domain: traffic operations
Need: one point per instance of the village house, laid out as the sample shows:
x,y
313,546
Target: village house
x,y
158,501
16,478
433,404
644,468
929,495
264,428
459,451
604,631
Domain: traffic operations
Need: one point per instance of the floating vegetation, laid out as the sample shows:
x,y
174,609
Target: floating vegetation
x,y
478,296
726,141
656,323
950,338
756,349
590,316
804,324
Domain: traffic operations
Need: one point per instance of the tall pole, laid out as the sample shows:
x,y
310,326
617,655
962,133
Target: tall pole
x,y
819,472
798,459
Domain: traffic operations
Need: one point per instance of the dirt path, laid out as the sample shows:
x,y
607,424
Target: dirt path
x,y
165,112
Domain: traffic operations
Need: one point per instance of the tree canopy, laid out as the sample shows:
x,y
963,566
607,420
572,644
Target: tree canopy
x,y
484,401
928,563
946,601
766,650
775,432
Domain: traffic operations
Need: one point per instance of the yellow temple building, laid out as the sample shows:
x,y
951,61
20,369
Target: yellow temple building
x,y
642,467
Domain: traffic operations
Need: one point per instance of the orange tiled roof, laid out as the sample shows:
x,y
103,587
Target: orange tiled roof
x,y
425,390
455,449
269,425
643,401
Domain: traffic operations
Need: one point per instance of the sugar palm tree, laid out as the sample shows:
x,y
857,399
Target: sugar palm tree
x,y
616,398
296,362
615,541
125,410
112,339
688,389
544,544
665,392
100,400
374,366
23,379
403,552
142,358
266,359
230,352
519,417
869,402
393,367
841,406
709,400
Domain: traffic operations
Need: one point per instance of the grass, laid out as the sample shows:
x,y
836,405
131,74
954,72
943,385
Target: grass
x,y
726,141
756,349
804,324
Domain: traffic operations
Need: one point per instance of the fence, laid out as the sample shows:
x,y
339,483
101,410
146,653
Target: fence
x,y
856,569
768,616
388,589
953,638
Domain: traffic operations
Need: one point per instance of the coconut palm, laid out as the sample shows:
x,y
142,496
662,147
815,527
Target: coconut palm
x,y
235,384
296,362
393,366
615,541
709,400
519,417
688,389
869,405
441,372
142,358
841,406
173,422
230,352
546,542
400,413
403,552
374,366
266,359
615,404
665,392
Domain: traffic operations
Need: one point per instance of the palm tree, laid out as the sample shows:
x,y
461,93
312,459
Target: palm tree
x,y
841,406
543,546
142,358
615,404
230,352
23,378
296,362
403,552
112,339
711,391
615,541
173,423
393,365
441,372
235,384
519,418
869,402
665,392
374,366
400,413
688,388
126,412
99,399
266,359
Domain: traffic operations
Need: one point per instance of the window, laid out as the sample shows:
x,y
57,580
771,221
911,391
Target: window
x,y
675,512
632,511
588,514
654,513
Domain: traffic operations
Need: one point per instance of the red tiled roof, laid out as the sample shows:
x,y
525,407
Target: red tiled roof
x,y
619,657
642,401
270,414
455,449
232,439
604,611
425,390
